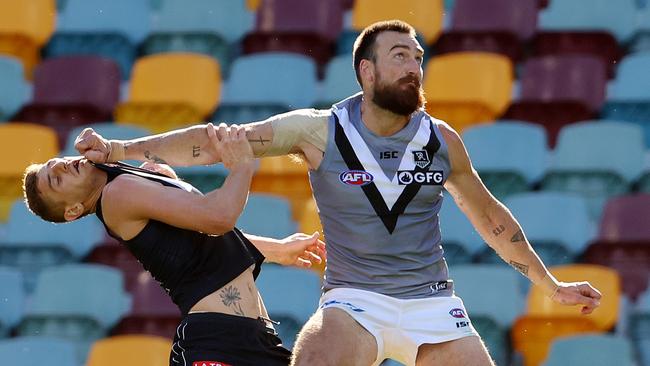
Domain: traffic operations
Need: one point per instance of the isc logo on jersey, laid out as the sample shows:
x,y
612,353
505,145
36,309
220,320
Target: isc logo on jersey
x,y
427,178
356,177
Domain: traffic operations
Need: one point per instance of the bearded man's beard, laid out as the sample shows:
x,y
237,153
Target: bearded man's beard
x,y
401,97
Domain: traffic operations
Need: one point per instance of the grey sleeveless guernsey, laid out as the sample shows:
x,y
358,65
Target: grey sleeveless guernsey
x,y
379,199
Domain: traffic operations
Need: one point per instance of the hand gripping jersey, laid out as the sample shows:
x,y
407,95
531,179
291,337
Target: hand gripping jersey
x,y
379,199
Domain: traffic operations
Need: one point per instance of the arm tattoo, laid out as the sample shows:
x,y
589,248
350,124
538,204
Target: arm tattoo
x,y
230,297
522,268
498,230
196,151
519,236
153,158
259,140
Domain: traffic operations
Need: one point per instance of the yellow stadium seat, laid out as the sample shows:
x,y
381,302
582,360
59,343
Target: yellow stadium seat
x,y
424,15
171,90
252,5
21,144
545,320
284,176
25,26
468,87
130,350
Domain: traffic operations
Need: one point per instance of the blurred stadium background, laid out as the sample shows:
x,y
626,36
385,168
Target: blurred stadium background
x,y
552,99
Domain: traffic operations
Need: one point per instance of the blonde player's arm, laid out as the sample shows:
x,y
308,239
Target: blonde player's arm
x,y
292,132
502,232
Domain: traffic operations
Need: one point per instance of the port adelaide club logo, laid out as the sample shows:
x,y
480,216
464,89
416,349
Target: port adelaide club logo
x,y
425,177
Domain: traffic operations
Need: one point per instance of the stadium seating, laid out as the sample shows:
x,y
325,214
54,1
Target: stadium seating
x,y
32,351
339,83
459,238
130,350
208,27
264,84
32,244
556,224
629,97
267,215
14,90
171,90
468,87
285,177
523,143
13,299
25,26
290,296
559,89
496,26
640,41
152,311
623,242
640,323
205,178
308,27
111,29
424,15
20,145
111,253
490,315
591,350
583,166
587,27
546,320
79,302
72,91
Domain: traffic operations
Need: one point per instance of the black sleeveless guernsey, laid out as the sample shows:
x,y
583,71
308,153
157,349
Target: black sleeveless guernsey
x,y
188,264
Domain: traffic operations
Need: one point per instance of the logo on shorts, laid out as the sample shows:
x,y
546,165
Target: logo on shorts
x,y
421,158
356,177
327,304
457,313
210,363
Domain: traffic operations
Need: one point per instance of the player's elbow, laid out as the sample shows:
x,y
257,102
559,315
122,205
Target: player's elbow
x,y
221,222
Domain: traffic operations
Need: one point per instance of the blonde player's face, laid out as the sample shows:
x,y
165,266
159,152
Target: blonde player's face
x,y
66,179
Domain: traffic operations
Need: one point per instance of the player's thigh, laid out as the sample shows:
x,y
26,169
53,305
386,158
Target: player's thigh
x,y
466,351
332,337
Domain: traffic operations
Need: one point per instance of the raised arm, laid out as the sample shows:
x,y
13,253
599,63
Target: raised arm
x,y
502,232
129,202
301,131
182,147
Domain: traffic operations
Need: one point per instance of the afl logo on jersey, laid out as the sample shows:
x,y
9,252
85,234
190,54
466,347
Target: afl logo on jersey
x,y
356,177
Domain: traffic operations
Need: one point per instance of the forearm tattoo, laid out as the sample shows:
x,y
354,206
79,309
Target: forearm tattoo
x,y
196,151
522,268
498,230
153,158
259,140
519,236
231,297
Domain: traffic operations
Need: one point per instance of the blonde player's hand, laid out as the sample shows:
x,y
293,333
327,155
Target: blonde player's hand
x,y
301,250
232,145
93,146
578,293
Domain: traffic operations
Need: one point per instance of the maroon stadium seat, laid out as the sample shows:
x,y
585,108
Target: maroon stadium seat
x,y
73,91
558,90
491,26
152,312
114,254
308,27
624,242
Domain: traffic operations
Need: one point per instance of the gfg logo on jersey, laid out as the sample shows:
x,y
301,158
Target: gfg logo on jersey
x,y
427,178
356,177
457,313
